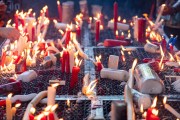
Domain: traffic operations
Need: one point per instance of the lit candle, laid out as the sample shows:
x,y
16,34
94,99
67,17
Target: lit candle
x,y
59,11
8,107
75,72
117,34
51,113
115,15
68,34
97,28
170,109
33,31
164,45
67,62
16,19
122,36
31,114
14,109
98,63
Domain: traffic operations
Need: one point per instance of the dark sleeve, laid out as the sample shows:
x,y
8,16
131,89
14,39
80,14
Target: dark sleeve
x,y
176,6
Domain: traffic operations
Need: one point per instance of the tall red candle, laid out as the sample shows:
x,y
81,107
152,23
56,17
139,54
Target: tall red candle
x,y
67,64
74,77
18,59
51,116
33,33
68,33
63,61
115,16
22,21
164,45
142,30
16,19
78,31
59,11
97,30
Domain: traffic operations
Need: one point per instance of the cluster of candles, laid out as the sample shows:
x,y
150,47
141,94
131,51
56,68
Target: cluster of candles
x,y
152,112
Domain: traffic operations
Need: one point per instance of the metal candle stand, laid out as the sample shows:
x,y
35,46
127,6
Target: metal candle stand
x,y
107,90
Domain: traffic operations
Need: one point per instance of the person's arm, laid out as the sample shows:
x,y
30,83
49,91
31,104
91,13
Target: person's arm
x,y
10,33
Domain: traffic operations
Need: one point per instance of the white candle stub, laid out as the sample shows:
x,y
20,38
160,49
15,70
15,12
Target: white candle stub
x,y
120,75
113,62
27,76
152,48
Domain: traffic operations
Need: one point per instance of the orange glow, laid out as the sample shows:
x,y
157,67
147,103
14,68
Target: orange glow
x,y
134,64
53,108
171,57
141,108
18,105
117,33
55,85
98,58
90,87
9,95
48,108
119,18
77,62
32,110
68,103
123,57
154,102
155,112
124,21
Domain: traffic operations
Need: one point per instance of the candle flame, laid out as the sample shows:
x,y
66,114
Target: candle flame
x,y
53,108
68,103
144,114
55,21
141,108
123,57
129,35
171,57
116,32
55,85
39,116
98,58
124,21
48,108
119,18
154,102
165,100
90,87
62,32
122,33
58,2
77,62
155,112
122,47
18,105
9,95
147,41
134,64
32,110
46,113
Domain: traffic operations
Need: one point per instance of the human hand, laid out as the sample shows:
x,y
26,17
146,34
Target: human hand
x,y
10,33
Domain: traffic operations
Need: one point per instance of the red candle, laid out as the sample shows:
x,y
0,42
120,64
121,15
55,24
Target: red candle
x,y
177,70
153,117
33,32
97,30
68,33
171,49
78,31
122,36
59,11
117,34
99,66
115,16
142,30
18,59
31,116
22,21
63,61
16,20
2,103
44,118
74,77
164,44
51,116
67,64
3,58
149,113
146,60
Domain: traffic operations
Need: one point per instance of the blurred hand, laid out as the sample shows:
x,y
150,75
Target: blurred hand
x,y
3,8
10,33
168,10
